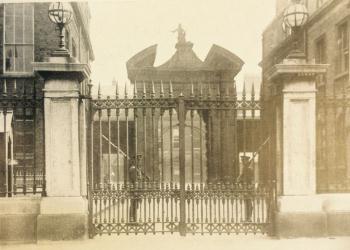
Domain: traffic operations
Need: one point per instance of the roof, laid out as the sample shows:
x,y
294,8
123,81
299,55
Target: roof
x,y
184,59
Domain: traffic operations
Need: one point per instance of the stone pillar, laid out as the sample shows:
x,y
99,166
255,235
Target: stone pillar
x,y
299,209
63,212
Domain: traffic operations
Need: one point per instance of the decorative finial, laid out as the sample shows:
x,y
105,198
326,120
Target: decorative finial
x,y
153,93
170,89
135,90
192,90
99,91
126,91
161,89
243,92
200,90
181,34
117,91
144,90
234,90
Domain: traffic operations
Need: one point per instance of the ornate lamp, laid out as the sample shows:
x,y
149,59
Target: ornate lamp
x,y
295,16
60,14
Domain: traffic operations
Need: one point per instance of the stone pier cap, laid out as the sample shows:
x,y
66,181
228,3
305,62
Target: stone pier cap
x,y
291,69
62,67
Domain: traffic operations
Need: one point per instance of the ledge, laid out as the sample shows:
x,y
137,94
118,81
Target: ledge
x,y
57,65
296,69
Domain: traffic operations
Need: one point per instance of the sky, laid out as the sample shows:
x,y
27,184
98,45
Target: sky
x,y
122,28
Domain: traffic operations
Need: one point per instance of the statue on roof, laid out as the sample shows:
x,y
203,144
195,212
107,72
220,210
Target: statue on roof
x,y
181,34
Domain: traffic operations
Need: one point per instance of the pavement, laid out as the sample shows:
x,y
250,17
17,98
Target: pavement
x,y
176,242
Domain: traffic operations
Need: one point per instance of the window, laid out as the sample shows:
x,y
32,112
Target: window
x,y
320,53
342,61
19,37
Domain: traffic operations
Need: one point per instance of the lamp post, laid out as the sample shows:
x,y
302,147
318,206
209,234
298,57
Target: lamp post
x,y
60,14
294,17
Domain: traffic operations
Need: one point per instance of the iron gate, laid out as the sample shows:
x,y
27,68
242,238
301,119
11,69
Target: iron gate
x,y
165,164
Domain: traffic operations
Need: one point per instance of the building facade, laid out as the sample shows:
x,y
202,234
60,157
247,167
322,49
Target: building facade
x,y
26,36
324,40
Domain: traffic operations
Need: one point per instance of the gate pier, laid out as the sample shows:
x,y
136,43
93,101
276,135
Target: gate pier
x,y
300,211
63,212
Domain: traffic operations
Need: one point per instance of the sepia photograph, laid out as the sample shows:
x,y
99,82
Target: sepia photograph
x,y
174,124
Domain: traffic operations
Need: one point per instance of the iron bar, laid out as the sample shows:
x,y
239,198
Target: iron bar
x,y
145,157
6,153
192,150
126,168
182,162
34,142
24,112
171,146
117,112
109,145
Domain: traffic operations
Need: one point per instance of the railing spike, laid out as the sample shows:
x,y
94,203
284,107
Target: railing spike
x,y
209,91
135,90
144,90
243,92
116,90
170,89
226,92
218,95
153,93
126,91
253,92
161,89
234,90
192,90
99,91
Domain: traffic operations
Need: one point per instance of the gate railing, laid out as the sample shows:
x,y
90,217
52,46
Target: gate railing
x,y
332,133
160,163
155,208
22,169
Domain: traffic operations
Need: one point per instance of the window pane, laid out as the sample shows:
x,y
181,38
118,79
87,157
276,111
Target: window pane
x,y
19,29
9,9
28,29
28,58
19,63
28,9
9,29
18,9
9,58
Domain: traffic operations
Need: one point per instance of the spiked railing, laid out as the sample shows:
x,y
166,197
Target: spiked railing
x,y
193,100
21,112
144,190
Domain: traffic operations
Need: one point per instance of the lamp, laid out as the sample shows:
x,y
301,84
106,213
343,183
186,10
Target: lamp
x,y
60,14
294,17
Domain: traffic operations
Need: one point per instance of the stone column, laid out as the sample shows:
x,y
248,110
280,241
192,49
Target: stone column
x,y
299,210
63,212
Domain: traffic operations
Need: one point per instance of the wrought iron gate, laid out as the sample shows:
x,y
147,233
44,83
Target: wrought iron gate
x,y
165,164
